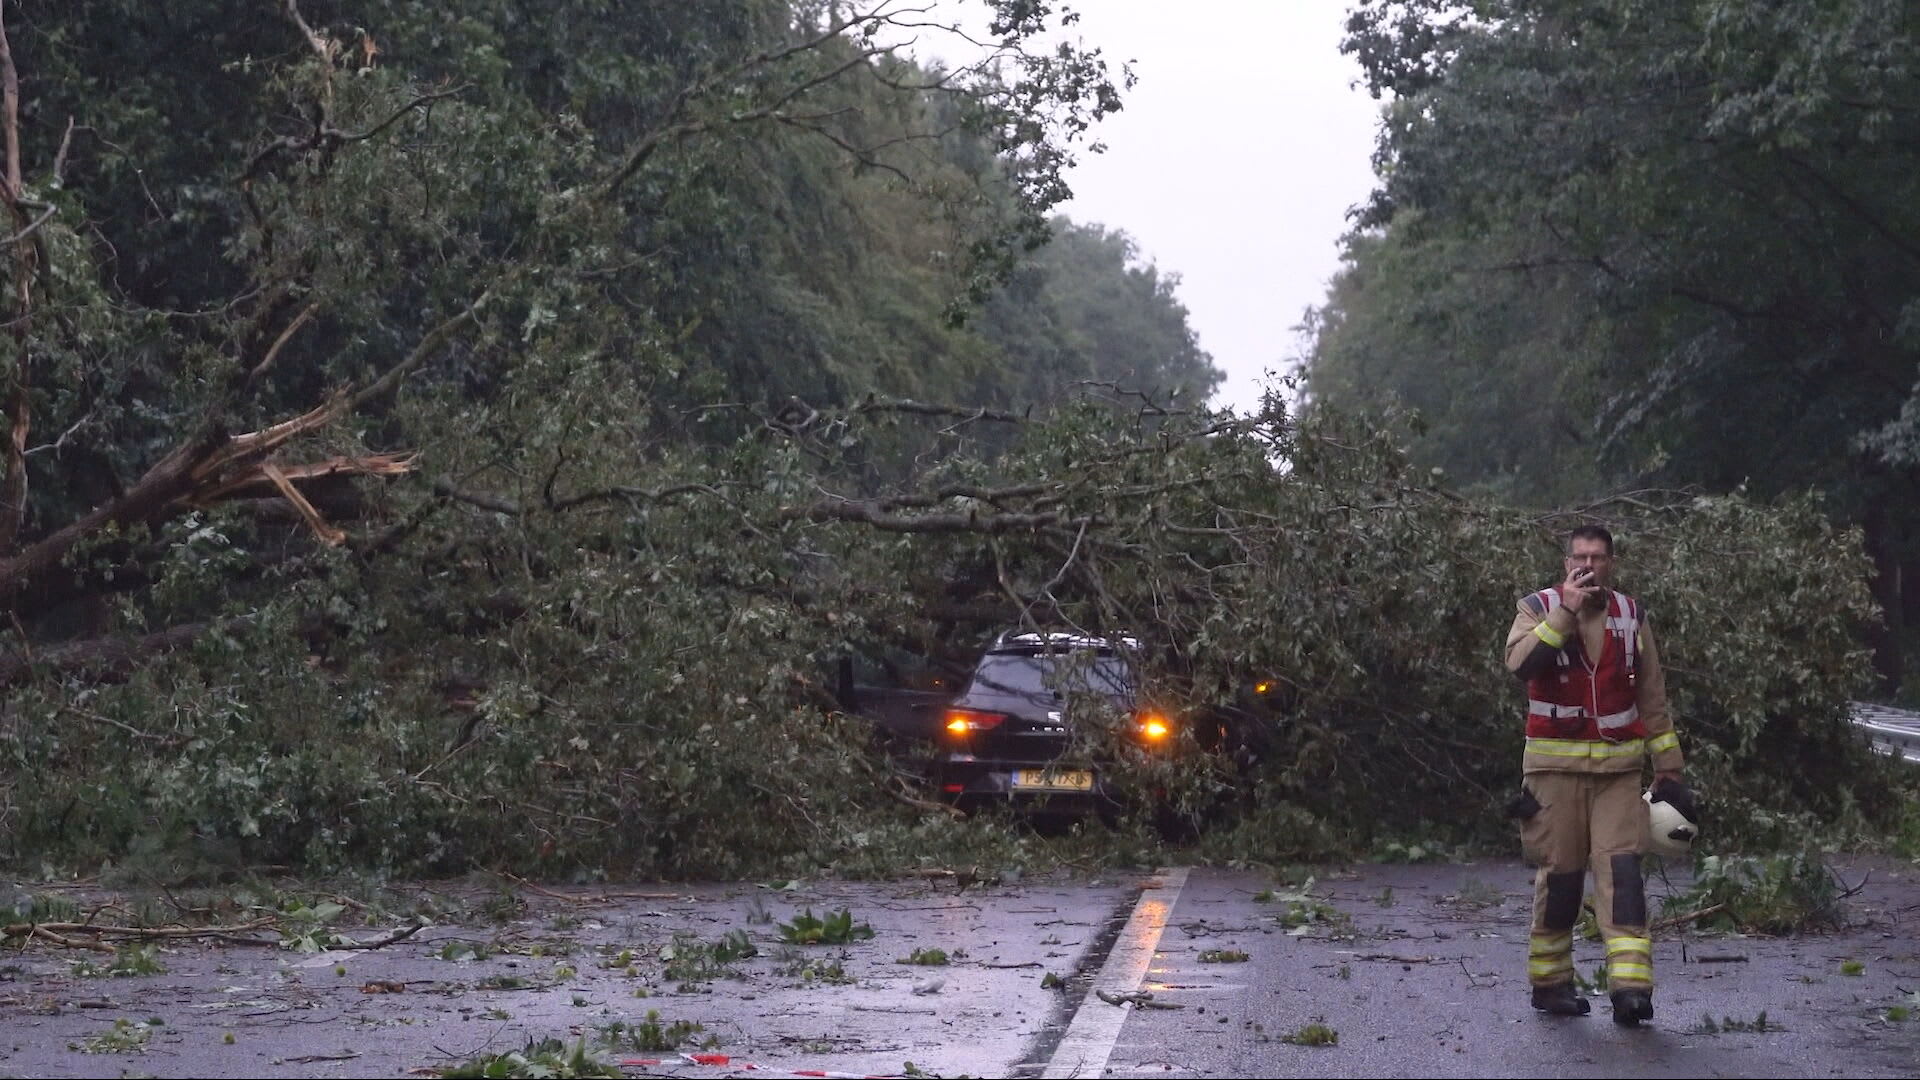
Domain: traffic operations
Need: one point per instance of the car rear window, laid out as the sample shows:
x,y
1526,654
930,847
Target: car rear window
x,y
1014,674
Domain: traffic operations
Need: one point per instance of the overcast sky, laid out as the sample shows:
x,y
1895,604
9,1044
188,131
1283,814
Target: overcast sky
x,y
1233,163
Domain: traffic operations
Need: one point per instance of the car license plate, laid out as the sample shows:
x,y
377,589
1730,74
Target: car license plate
x,y
1052,780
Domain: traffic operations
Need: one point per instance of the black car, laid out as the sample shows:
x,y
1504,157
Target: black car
x,y
1009,734
1011,724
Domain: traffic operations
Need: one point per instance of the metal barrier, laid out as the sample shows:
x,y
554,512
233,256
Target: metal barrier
x,y
1893,731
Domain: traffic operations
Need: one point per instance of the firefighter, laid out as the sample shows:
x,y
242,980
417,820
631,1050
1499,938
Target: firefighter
x,y
1596,708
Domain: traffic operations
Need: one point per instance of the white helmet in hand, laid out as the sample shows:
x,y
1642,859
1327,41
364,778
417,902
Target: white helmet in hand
x,y
1673,833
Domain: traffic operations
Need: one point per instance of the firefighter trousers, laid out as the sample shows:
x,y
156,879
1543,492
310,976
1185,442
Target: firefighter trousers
x,y
1588,822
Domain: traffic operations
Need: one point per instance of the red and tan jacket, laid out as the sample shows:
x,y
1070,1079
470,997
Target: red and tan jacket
x,y
1596,692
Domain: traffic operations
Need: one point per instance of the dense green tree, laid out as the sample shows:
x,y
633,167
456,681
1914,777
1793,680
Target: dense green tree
x,y
473,438
1086,310
1674,240
498,232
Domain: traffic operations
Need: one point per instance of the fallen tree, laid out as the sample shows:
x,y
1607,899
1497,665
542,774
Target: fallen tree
x,y
643,682
540,591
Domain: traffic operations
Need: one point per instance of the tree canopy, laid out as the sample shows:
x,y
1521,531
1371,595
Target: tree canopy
x,y
1628,243
450,438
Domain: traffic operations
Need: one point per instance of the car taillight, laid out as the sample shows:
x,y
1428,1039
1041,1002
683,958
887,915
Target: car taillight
x,y
1153,727
963,722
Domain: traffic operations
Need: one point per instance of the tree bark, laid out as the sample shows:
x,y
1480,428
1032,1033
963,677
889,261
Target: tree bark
x,y
13,478
1886,640
99,659
170,479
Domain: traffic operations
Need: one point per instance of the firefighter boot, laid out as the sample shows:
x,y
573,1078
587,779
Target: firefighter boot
x,y
1561,1000
1632,1006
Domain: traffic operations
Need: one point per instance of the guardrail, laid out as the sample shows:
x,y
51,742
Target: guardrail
x,y
1893,731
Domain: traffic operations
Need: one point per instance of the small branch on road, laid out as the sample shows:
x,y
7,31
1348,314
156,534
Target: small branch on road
x,y
1863,884
57,939
1139,999
1690,916
401,934
62,934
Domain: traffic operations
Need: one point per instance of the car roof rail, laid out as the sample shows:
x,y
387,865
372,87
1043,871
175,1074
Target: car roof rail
x,y
1029,639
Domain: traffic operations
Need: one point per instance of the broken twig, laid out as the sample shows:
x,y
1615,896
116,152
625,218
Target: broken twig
x,y
43,932
56,932
1139,999
401,934
1689,916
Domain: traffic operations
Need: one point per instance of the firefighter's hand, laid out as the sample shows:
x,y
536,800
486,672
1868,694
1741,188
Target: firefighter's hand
x,y
1667,788
1579,590
1523,806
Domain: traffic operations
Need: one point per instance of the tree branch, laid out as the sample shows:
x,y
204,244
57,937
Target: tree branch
x,y
772,109
279,343
318,43
101,659
672,128
60,157
423,99
647,494
637,159
237,449
870,513
32,227
145,736
1148,406
1058,577
1685,292
198,466
485,500
324,134
435,338
864,157
168,479
328,535
1859,209
995,496
923,409
1721,304
19,410
10,102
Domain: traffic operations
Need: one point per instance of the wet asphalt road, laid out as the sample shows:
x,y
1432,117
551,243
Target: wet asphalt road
x,y
1419,969
569,969
1425,976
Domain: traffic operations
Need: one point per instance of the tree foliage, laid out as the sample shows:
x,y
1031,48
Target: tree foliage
x,y
328,315
642,683
495,238
1635,243
472,439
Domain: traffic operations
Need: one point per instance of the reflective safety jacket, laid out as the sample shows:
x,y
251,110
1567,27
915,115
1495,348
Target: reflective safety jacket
x,y
1601,705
